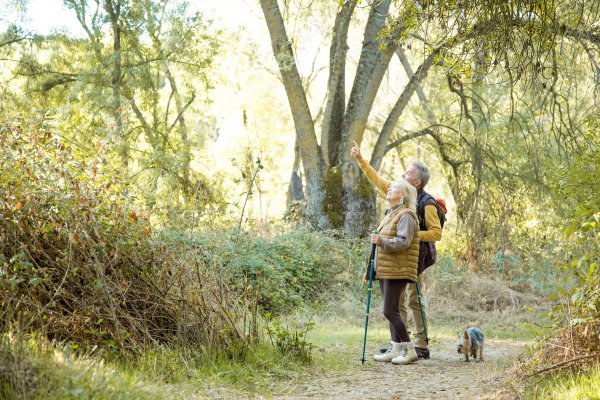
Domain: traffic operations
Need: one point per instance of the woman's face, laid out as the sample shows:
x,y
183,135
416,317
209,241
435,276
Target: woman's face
x,y
394,193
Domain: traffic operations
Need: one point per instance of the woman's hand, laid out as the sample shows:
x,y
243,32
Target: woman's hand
x,y
355,151
375,239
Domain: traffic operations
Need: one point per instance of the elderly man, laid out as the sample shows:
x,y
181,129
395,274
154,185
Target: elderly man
x,y
417,174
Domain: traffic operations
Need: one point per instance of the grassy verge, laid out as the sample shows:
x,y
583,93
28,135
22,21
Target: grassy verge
x,y
35,370
583,384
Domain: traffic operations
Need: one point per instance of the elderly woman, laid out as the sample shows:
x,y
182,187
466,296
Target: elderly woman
x,y
396,258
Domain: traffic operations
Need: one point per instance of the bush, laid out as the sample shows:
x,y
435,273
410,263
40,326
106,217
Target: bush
x,y
288,271
78,260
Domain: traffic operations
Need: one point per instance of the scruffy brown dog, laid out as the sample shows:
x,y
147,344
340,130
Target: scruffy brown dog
x,y
471,341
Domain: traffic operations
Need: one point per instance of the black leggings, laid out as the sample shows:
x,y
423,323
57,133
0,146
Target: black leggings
x,y
392,289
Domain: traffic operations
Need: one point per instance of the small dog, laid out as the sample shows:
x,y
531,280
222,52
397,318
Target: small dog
x,y
471,341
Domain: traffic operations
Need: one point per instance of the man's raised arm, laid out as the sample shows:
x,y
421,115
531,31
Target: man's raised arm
x,y
380,183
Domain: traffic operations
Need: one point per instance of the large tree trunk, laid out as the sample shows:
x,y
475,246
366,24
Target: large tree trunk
x,y
333,116
358,197
312,158
360,206
349,199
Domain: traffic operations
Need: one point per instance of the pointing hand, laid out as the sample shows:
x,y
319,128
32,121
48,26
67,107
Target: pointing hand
x,y
355,151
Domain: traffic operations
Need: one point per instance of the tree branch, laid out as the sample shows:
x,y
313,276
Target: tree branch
x,y
183,110
409,72
560,364
410,136
398,109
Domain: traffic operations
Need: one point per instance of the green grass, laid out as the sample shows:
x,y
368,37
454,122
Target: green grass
x,y
193,373
579,385
34,370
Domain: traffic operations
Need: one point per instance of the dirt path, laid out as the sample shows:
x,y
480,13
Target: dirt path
x,y
445,376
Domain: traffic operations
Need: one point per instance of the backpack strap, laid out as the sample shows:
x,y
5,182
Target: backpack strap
x,y
425,199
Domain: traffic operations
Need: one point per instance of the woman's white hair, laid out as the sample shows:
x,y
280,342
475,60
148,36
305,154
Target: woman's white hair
x,y
409,192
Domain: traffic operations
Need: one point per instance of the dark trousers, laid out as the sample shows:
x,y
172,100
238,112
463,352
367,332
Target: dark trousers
x,y
392,290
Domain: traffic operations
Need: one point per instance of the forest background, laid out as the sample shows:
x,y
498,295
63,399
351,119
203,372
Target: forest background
x,y
179,201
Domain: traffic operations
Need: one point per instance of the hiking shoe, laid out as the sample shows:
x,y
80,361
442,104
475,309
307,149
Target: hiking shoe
x,y
407,354
422,353
394,351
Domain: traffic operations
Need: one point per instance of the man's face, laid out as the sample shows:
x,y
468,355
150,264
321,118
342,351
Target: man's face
x,y
412,176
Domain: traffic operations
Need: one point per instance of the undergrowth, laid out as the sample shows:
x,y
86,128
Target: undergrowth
x,y
564,362
578,384
79,262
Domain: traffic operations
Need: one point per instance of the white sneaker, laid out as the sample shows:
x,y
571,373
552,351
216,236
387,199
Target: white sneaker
x,y
407,355
394,351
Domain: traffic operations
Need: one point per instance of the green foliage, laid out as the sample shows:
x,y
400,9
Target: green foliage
x,y
575,339
578,184
132,102
291,340
289,271
519,37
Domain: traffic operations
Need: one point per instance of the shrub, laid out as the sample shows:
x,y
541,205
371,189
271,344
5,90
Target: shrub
x,y
287,271
78,260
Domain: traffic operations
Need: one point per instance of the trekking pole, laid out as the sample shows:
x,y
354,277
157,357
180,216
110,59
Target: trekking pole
x,y
369,287
421,308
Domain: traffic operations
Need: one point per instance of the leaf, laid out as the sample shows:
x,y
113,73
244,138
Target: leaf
x,y
22,264
17,257
13,282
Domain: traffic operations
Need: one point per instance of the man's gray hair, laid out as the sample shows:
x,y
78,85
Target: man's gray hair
x,y
423,172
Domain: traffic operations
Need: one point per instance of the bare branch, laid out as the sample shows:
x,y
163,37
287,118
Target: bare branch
x,y
190,101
